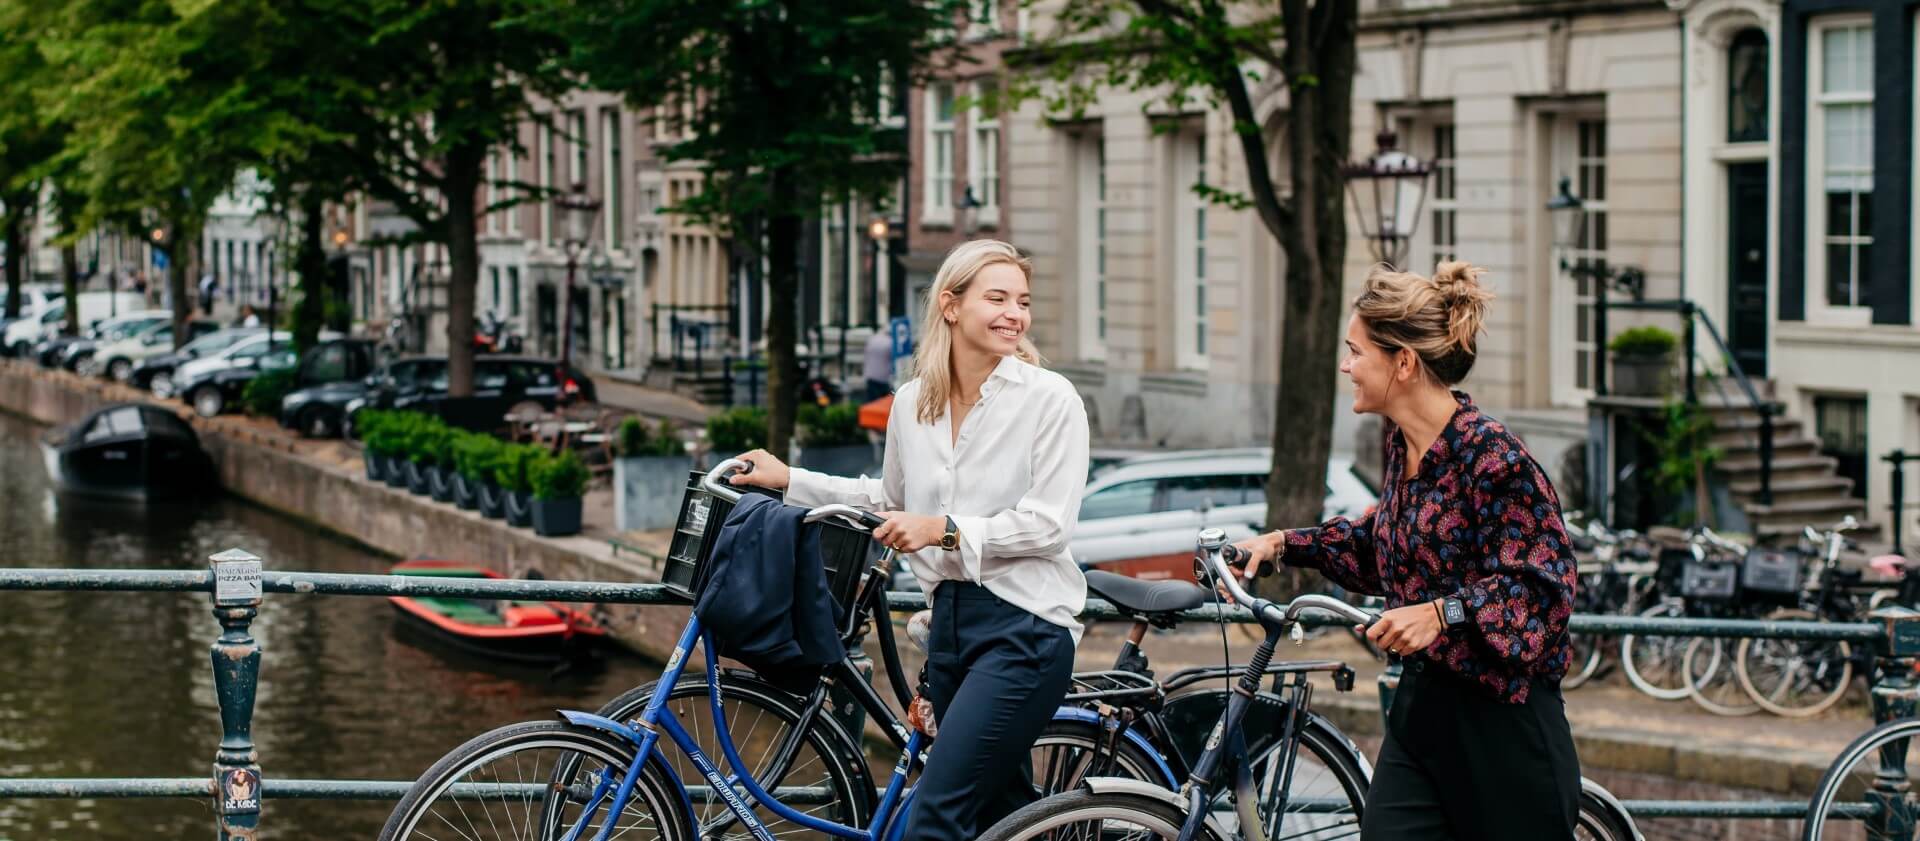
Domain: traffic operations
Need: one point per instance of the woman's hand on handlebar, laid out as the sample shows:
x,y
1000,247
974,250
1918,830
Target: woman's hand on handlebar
x,y
905,532
1260,553
767,471
1404,630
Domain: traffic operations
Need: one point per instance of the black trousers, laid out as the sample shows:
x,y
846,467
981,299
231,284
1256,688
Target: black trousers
x,y
1459,765
995,674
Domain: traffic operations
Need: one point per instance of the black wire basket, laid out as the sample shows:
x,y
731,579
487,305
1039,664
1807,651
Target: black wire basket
x,y
845,550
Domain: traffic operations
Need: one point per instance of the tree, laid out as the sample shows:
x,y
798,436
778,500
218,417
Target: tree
x,y
28,141
1178,50
777,100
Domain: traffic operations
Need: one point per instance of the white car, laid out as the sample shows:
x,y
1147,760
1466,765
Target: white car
x,y
23,334
249,349
1139,515
117,358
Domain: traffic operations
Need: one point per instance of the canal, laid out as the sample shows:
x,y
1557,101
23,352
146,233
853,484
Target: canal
x,y
119,684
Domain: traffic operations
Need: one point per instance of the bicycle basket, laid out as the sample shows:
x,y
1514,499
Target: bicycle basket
x,y
1772,571
1709,580
845,550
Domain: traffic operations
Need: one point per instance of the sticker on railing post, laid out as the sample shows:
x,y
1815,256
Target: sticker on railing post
x,y
240,792
236,578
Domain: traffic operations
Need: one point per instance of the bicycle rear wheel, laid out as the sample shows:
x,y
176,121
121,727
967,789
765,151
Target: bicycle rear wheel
x,y
1082,815
1845,806
1794,678
1586,660
1069,751
499,786
1599,822
1711,681
1656,665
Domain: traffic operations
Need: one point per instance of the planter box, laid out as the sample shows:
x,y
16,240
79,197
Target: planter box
x,y
1641,374
440,483
647,491
845,460
493,501
419,478
375,464
466,492
519,509
556,517
394,472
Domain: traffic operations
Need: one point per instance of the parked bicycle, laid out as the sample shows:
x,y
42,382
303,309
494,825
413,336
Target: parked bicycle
x,y
1799,678
1616,577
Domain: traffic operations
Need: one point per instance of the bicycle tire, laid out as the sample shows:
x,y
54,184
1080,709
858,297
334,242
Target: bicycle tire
x,y
1588,666
1715,688
1643,678
1599,821
1820,808
653,790
1751,650
843,770
1042,818
1073,744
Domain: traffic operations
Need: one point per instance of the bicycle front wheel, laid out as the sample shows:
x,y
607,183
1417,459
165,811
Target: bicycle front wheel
x,y
1846,805
1069,751
1655,665
1794,678
499,786
1082,814
1711,681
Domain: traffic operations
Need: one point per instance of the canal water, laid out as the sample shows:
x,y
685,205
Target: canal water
x,y
120,684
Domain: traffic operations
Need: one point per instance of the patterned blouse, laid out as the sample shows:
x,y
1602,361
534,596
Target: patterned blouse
x,y
1479,522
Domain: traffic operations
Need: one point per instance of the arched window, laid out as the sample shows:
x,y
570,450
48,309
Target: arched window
x,y
1747,87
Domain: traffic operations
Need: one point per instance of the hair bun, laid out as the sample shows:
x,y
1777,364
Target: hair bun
x,y
1458,283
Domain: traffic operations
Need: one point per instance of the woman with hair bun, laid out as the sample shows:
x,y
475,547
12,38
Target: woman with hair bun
x,y
1468,547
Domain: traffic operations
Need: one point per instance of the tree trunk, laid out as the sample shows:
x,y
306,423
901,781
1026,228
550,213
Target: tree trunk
x,y
70,286
15,224
464,163
783,369
311,263
1320,46
180,251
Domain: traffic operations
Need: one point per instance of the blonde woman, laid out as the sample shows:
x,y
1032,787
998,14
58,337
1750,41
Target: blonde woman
x,y
1468,546
986,459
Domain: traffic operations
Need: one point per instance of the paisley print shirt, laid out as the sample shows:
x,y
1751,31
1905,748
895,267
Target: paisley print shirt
x,y
1478,521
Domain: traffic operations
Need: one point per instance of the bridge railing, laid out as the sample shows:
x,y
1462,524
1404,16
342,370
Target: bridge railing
x,y
238,584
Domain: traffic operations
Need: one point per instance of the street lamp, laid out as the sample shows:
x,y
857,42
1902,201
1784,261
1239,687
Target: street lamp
x,y
1388,191
579,210
877,234
341,238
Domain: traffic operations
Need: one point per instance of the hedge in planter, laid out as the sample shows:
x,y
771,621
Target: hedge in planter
x,y
264,393
737,430
1642,360
558,483
376,443
831,441
513,473
649,476
473,457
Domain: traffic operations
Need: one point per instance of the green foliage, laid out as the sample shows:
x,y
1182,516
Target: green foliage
x,y
562,476
477,455
429,441
1643,341
737,430
264,392
1684,446
374,427
830,426
513,471
635,440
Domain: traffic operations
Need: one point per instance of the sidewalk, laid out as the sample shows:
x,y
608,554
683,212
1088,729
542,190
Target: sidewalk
x,y
651,402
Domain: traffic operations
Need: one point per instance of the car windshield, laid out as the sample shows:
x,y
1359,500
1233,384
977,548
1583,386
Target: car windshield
x,y
218,341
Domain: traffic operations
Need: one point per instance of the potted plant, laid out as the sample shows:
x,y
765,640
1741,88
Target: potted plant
x,y
438,443
1642,360
374,443
558,483
421,449
471,454
487,461
397,432
831,441
737,430
648,476
515,483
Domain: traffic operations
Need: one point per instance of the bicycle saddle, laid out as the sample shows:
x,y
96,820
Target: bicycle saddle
x,y
1136,596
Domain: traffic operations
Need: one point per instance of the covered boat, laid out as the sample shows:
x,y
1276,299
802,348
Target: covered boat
x,y
134,451
520,631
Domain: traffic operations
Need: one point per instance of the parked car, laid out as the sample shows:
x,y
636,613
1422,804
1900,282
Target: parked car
x,y
22,335
325,410
77,350
1139,516
211,385
117,359
155,373
35,299
499,383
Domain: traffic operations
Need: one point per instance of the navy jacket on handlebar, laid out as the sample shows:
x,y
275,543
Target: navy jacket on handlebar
x,y
765,600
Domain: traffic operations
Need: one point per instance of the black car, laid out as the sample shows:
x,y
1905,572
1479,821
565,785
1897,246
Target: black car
x,y
155,373
212,392
500,383
322,411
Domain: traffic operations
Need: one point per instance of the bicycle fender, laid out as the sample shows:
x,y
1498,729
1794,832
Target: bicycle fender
x,y
601,723
1593,789
1132,735
1143,789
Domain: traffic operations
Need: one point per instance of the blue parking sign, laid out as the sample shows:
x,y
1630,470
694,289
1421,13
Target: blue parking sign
x,y
902,329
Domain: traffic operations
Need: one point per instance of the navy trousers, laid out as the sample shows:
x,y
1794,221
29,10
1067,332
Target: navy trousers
x,y
995,674
1461,766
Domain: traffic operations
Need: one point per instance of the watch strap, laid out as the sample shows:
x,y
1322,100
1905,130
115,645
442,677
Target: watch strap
x,y
951,540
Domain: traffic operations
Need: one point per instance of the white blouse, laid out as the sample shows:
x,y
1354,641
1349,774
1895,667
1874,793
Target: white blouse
x,y
1011,482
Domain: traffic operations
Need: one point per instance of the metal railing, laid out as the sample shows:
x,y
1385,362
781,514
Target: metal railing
x,y
237,584
692,331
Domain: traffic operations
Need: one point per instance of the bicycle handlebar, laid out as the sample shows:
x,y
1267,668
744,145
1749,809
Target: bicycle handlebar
x,y
1214,545
716,483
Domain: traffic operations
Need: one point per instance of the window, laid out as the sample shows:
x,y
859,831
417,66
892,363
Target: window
x,y
1188,493
548,170
615,212
1445,185
1190,252
1747,87
892,108
493,193
582,145
1127,499
1590,242
328,364
1841,423
513,291
1840,151
983,18
512,158
493,276
939,207
983,158
1092,163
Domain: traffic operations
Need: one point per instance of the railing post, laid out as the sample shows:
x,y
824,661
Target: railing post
x,y
1898,497
1686,345
1896,695
236,673
1765,497
1600,335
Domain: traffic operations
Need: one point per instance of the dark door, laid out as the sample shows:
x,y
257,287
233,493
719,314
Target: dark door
x,y
546,313
1747,266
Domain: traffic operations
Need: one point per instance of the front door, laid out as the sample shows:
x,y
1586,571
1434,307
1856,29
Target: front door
x,y
1747,266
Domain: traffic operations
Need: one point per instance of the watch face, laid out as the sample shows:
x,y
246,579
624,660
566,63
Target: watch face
x,y
1455,612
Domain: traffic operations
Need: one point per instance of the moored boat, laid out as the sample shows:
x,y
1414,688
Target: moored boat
x,y
526,631
134,451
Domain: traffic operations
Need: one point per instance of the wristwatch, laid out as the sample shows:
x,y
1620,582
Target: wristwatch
x,y
1452,612
951,540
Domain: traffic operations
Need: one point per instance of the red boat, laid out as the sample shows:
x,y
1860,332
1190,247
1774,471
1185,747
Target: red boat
x,y
521,631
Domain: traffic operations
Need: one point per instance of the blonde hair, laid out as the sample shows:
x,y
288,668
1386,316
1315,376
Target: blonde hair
x,y
933,360
1438,318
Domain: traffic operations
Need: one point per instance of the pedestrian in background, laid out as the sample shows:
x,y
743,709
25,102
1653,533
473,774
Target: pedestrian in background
x,y
1468,546
207,286
878,365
